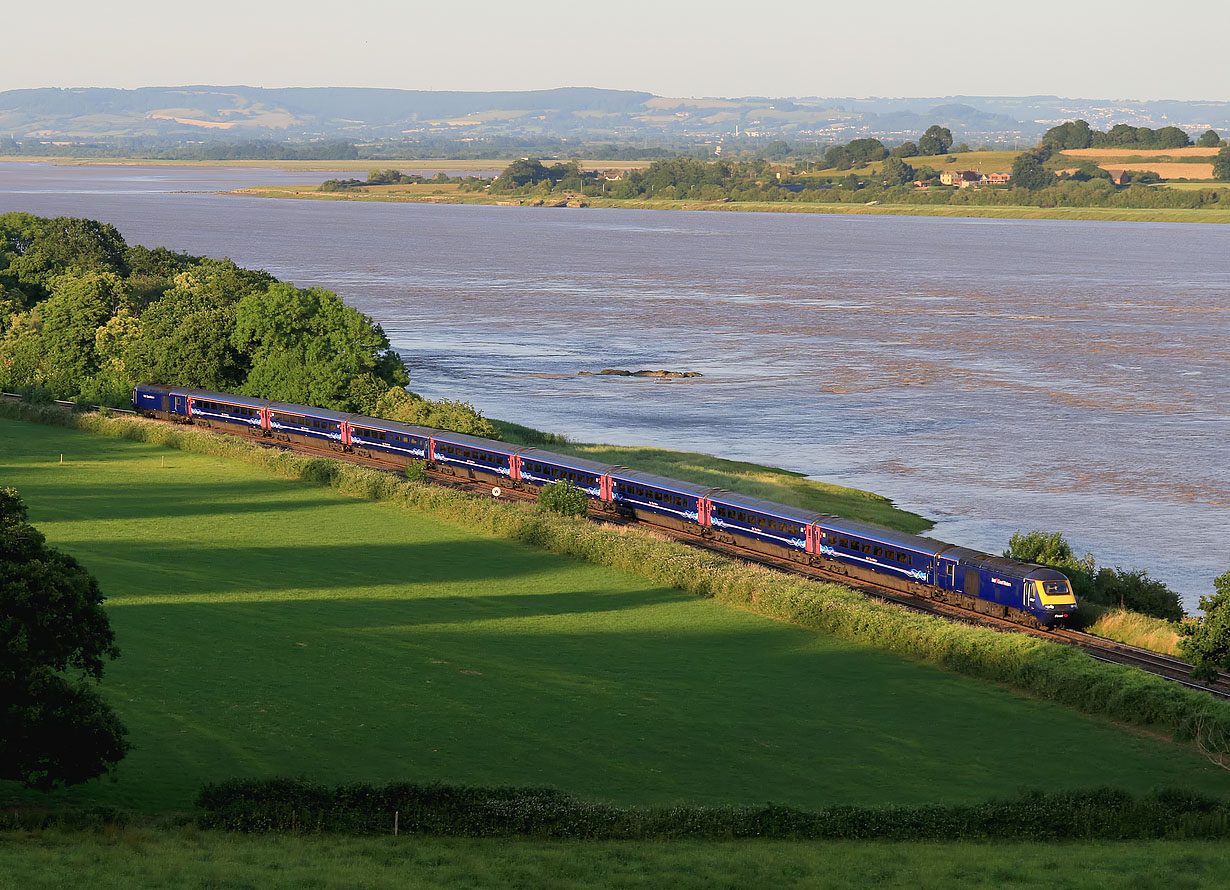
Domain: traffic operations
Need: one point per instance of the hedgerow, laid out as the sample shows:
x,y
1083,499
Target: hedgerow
x,y
284,804
1036,666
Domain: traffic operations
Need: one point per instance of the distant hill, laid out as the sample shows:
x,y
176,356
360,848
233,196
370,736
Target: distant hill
x,y
203,113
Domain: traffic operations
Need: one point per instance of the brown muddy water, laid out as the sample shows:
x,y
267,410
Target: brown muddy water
x,y
994,375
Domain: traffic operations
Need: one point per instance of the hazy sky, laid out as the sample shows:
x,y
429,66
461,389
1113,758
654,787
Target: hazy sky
x,y
1073,48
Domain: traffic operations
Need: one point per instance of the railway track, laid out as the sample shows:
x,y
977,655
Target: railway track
x,y
1166,666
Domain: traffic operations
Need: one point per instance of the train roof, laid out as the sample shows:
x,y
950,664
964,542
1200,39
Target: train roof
x,y
760,505
475,442
901,540
567,460
306,411
392,426
230,397
664,482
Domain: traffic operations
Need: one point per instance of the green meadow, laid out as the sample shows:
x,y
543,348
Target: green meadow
x,y
270,627
190,860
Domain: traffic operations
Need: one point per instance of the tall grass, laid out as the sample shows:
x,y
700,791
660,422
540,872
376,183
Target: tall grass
x,y
1135,629
1057,673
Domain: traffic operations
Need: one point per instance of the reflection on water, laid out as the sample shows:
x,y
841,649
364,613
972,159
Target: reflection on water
x,y
994,375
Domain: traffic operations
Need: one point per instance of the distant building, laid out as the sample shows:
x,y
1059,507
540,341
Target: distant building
x,y
963,179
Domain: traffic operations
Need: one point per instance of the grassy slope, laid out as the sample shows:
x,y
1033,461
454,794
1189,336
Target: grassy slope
x,y
270,627
771,483
189,860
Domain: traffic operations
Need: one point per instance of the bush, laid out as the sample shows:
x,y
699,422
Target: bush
x,y
463,811
1135,591
416,471
564,498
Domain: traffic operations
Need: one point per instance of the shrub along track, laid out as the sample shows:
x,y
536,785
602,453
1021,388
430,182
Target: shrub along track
x,y
1165,666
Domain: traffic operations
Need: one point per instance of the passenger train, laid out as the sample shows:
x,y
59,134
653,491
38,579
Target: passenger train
x,y
993,585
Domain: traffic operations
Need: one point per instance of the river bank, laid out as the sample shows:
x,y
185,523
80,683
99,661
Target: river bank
x,y
445,193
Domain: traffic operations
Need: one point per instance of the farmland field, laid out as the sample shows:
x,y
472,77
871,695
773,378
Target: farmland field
x,y
271,627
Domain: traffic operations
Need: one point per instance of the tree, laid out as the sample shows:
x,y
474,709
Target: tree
x,y
1072,134
1135,591
1052,549
936,141
1028,172
1206,643
1221,164
307,346
905,150
896,172
57,728
1209,139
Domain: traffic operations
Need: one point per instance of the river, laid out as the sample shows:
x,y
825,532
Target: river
x,y
993,375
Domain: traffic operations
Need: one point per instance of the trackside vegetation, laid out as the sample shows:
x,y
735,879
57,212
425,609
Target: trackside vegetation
x,y
1042,669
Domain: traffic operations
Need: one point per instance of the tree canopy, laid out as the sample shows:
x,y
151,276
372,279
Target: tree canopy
x,y
54,641
1206,643
936,141
82,315
1221,164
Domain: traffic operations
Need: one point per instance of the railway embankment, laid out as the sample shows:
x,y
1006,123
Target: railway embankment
x,y
1034,666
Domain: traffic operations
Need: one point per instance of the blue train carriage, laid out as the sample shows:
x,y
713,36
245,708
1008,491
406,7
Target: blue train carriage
x,y
659,500
226,410
471,457
534,468
308,426
400,443
761,525
1004,588
161,401
866,552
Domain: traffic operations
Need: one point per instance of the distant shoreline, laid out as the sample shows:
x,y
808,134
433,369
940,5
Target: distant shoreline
x,y
1110,214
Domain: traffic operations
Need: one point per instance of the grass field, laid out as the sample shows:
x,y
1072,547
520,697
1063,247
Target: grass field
x,y
135,859
270,627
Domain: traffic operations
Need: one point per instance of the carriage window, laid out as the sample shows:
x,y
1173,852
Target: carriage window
x,y
903,558
877,551
866,548
843,542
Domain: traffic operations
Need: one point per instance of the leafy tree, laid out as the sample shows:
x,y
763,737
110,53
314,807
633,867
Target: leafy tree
x,y
1221,164
1028,172
1136,591
896,172
1053,550
39,250
519,174
309,347
905,150
563,497
57,729
1209,139
398,404
1206,643
1070,135
936,141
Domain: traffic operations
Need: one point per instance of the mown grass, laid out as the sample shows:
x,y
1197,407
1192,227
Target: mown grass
x,y
133,859
1136,629
271,627
771,483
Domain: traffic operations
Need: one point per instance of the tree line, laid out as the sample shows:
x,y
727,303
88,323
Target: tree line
x,y
84,316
